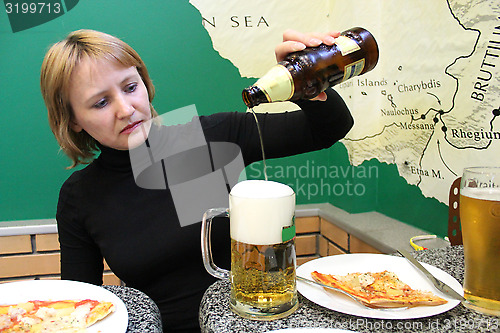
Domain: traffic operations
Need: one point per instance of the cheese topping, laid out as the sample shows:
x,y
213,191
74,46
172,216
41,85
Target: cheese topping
x,y
44,312
365,279
81,313
5,321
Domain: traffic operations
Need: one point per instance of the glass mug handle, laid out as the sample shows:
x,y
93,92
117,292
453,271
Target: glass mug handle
x,y
206,247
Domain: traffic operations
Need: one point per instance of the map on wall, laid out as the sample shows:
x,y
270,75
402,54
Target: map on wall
x,y
431,106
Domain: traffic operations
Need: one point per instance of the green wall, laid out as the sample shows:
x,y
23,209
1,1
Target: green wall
x,y
185,70
169,37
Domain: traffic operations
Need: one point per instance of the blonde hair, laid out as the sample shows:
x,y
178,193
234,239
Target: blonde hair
x,y
57,67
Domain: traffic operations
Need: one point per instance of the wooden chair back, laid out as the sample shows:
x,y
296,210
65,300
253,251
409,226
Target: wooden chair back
x,y
454,228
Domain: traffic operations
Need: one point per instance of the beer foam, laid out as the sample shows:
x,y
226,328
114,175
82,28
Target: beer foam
x,y
261,189
259,210
486,193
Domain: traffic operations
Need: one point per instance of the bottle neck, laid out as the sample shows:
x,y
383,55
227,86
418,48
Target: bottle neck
x,y
253,96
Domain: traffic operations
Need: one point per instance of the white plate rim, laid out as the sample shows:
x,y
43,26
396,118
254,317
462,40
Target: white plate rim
x,y
22,291
365,262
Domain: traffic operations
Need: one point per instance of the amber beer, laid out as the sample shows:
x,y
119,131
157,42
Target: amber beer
x,y
305,74
263,277
480,220
263,260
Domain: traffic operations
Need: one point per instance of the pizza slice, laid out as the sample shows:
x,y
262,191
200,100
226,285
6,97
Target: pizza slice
x,y
379,290
64,316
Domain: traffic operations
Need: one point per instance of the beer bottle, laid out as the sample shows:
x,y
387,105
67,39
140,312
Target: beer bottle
x,y
305,74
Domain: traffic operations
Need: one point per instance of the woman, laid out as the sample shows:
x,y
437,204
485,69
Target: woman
x,y
99,99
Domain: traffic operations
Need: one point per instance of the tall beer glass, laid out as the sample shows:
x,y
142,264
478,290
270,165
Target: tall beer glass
x,y
480,220
263,260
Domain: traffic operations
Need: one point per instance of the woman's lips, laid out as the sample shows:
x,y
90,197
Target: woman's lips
x,y
130,128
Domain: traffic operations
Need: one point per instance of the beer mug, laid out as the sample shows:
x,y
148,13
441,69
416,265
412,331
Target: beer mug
x,y
480,220
263,261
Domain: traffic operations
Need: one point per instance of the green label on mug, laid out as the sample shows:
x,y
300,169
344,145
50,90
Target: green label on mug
x,y
288,233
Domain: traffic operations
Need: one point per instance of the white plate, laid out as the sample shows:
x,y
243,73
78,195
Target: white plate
x,y
47,290
351,263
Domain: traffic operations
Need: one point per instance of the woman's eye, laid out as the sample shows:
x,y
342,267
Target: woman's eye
x,y
102,103
131,87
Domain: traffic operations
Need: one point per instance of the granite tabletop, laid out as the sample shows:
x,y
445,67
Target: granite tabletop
x,y
143,314
216,316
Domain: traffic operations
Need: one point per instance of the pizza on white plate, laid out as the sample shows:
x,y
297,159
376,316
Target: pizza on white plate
x,y
379,289
62,316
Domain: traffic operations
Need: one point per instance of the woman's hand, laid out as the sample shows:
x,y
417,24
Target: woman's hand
x,y
294,41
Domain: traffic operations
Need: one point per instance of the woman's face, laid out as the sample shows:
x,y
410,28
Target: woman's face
x,y
110,102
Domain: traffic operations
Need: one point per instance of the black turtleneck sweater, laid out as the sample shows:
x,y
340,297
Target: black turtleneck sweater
x,y
102,213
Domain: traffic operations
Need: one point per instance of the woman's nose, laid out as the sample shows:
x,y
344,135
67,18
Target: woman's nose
x,y
124,108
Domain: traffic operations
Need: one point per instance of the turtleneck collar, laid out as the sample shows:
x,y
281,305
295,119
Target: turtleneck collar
x,y
114,159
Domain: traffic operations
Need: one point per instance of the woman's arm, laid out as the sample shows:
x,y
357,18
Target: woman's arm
x,y
318,125
81,259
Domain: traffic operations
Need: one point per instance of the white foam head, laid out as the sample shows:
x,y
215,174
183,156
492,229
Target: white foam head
x,y
481,183
261,189
259,210
492,194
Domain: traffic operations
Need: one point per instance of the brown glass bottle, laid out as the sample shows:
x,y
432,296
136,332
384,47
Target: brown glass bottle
x,y
305,74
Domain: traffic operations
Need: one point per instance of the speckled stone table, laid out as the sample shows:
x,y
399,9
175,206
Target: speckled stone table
x,y
143,314
216,316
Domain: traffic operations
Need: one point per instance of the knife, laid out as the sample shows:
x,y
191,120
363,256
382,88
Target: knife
x,y
440,285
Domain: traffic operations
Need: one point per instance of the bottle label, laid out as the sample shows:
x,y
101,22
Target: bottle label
x,y
277,84
346,45
353,69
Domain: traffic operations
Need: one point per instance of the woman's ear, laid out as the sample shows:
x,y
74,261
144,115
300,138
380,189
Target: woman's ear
x,y
74,126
